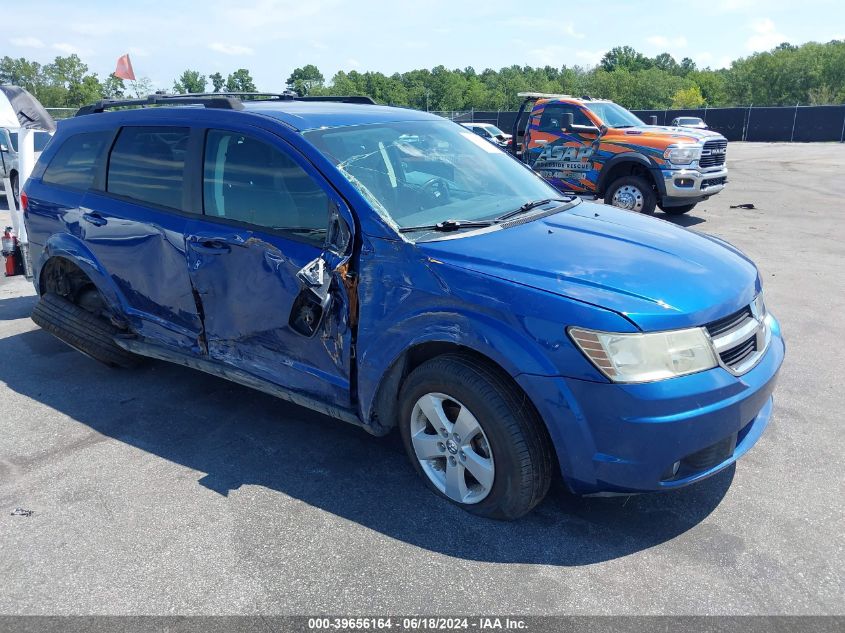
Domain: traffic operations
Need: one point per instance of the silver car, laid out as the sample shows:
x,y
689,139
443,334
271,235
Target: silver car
x,y
690,121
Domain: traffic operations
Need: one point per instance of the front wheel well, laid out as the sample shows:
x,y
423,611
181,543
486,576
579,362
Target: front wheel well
x,y
627,168
385,409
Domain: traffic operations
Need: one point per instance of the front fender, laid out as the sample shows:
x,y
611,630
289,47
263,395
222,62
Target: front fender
x,y
73,249
478,332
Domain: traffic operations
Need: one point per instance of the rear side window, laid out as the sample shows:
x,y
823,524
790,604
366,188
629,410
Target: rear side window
x,y
250,181
75,163
148,164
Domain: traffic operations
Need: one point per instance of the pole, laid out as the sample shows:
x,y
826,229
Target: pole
x,y
747,124
842,135
794,118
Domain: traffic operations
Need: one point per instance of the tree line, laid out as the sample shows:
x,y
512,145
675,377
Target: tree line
x,y
810,74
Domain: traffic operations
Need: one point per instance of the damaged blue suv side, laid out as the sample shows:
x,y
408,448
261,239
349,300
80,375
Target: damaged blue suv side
x,y
394,270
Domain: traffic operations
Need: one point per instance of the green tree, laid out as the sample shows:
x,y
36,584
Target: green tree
x,y
141,87
624,58
687,98
240,81
113,88
190,81
217,81
305,79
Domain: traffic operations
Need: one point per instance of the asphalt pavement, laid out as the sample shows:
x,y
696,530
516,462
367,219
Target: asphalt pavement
x,y
163,490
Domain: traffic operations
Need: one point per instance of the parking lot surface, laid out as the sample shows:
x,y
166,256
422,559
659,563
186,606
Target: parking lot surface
x,y
164,490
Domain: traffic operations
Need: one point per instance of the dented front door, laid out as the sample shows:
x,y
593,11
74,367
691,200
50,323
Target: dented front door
x,y
262,288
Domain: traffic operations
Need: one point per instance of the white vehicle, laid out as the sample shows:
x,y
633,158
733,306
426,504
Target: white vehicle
x,y
690,121
489,132
9,163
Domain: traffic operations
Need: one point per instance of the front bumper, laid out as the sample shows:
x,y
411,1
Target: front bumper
x,y
684,186
655,436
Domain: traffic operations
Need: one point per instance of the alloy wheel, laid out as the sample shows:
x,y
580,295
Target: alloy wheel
x,y
452,448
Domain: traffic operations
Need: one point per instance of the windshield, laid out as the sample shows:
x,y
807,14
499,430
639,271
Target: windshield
x,y
613,115
494,130
691,121
41,140
425,172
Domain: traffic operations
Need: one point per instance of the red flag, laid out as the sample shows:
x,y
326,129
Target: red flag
x,y
124,68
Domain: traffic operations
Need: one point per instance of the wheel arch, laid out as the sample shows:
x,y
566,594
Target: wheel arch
x,y
64,254
627,164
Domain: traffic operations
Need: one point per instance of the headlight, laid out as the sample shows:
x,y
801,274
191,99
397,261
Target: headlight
x,y
646,357
682,154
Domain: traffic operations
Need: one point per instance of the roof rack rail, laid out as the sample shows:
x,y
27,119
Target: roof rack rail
x,y
220,100
542,95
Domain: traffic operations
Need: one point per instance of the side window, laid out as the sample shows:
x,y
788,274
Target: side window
x,y
148,164
75,164
250,181
553,114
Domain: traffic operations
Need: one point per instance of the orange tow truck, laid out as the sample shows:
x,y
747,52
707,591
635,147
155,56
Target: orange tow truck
x,y
598,148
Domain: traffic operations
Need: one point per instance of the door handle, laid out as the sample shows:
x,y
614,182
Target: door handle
x,y
211,247
94,218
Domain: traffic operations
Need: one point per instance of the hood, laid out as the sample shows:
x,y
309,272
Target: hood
x,y
660,276
663,136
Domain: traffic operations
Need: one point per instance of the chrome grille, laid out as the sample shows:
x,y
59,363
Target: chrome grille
x,y
713,154
740,339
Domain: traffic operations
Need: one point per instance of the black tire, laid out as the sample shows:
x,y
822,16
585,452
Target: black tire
x,y
648,198
16,190
677,210
518,439
82,330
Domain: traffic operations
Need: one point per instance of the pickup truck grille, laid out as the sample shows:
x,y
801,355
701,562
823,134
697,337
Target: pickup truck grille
x,y
740,339
713,154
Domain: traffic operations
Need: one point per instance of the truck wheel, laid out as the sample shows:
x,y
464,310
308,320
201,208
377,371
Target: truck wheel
x,y
677,210
16,189
82,330
632,193
473,438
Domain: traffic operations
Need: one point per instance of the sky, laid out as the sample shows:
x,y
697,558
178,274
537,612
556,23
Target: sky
x,y
272,37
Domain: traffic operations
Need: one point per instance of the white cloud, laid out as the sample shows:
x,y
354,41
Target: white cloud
x,y
544,25
27,42
137,51
662,41
70,49
590,57
353,63
764,35
230,49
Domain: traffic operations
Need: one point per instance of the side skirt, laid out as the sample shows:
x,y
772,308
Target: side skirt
x,y
241,377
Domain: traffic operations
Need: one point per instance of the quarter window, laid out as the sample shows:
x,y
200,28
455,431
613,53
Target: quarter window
x,y
75,163
148,164
247,180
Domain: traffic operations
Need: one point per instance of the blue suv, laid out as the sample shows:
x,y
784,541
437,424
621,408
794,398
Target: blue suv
x,y
392,269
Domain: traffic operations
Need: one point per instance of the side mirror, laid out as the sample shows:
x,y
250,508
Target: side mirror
x,y
568,120
3,148
653,119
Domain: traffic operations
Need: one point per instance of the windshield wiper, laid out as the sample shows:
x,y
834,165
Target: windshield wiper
x,y
448,225
530,205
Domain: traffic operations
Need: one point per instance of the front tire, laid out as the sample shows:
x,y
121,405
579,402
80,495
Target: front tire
x,y
677,210
474,438
632,193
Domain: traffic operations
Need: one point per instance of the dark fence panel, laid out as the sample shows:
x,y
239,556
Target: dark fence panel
x,y
819,123
804,123
770,124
